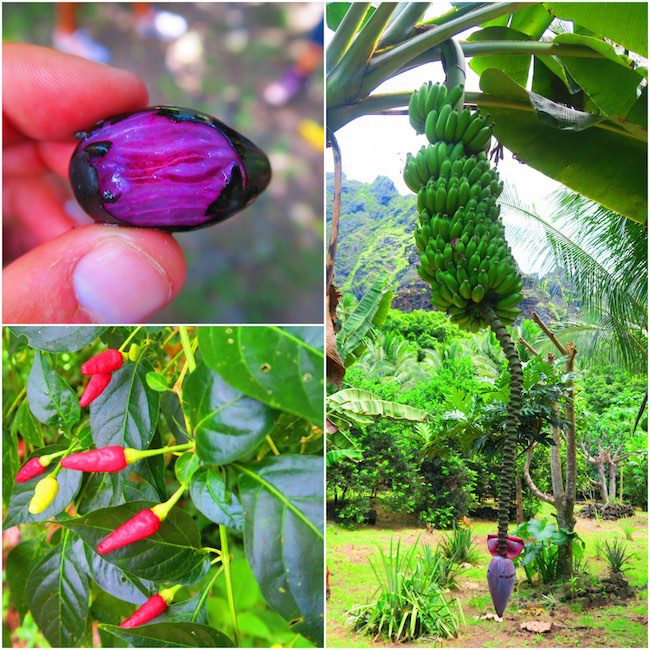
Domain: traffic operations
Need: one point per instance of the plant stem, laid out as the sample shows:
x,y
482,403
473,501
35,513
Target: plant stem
x,y
346,79
170,337
385,65
206,593
187,347
453,62
147,453
131,335
345,33
336,210
17,401
402,25
173,361
507,476
271,444
225,561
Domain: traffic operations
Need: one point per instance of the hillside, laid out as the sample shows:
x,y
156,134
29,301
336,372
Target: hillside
x,y
376,235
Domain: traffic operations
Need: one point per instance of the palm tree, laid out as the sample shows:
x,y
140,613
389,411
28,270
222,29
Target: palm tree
x,y
604,255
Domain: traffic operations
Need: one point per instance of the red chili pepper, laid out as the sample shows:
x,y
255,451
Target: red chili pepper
x,y
144,524
104,459
153,607
30,469
105,362
35,466
95,388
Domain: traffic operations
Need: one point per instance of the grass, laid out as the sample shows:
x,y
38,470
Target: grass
x,y
353,583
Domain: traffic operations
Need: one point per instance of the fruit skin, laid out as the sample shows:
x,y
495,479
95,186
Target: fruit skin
x,y
166,167
29,470
139,527
95,388
44,493
103,459
105,362
152,608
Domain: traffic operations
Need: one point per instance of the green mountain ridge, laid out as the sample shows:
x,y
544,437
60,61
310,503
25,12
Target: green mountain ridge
x,y
376,236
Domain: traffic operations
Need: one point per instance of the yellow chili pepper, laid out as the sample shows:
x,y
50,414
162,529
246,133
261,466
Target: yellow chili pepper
x,y
44,493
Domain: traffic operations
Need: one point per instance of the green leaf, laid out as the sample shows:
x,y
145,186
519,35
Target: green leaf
x,y
186,465
211,496
10,462
58,596
172,554
126,412
106,489
361,406
616,180
170,635
50,398
18,564
609,82
282,499
22,493
516,66
271,364
532,21
625,23
172,416
157,381
59,339
228,425
113,580
28,426
371,311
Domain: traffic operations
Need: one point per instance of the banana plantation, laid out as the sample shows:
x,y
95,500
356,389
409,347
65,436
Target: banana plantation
x,y
487,335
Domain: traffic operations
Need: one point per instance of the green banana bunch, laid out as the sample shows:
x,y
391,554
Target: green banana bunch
x,y
464,254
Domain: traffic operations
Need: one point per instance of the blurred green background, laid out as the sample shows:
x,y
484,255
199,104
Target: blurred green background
x,y
265,265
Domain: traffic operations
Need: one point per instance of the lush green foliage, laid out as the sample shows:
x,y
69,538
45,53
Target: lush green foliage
x,y
412,597
540,555
246,453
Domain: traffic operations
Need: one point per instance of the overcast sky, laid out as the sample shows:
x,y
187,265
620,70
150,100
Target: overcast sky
x,y
377,145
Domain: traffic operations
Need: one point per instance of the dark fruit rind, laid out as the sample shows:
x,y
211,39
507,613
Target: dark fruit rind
x,y
166,167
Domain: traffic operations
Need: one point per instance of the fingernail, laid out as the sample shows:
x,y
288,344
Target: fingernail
x,y
117,283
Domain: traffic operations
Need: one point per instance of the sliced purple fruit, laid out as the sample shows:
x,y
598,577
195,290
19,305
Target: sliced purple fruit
x,y
166,167
501,579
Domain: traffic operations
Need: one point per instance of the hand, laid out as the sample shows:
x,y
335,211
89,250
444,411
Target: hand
x,y
70,274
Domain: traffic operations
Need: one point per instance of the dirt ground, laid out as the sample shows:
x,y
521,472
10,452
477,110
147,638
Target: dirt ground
x,y
613,625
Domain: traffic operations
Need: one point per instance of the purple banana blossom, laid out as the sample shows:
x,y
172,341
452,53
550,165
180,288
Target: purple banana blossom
x,y
501,579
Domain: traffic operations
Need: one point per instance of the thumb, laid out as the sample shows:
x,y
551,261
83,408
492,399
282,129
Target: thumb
x,y
94,274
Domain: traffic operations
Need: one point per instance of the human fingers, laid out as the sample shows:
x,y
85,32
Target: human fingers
x,y
48,95
100,274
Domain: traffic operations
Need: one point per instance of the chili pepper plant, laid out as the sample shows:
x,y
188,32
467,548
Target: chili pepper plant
x,y
177,500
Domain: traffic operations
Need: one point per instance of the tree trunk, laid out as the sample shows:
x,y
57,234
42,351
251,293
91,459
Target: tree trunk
x,y
612,480
602,480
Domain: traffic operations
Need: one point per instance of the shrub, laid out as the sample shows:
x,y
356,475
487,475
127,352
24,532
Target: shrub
x,y
541,550
615,554
459,546
447,491
412,598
